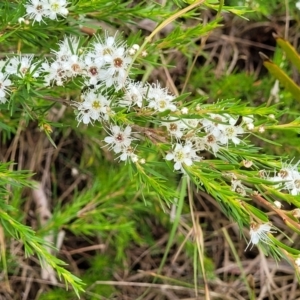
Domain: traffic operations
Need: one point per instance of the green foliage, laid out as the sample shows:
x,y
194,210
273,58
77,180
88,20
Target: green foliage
x,y
114,203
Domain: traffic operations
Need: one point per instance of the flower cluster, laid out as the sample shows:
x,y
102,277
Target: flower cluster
x,y
18,66
67,63
104,63
102,68
222,129
39,9
148,96
108,61
209,134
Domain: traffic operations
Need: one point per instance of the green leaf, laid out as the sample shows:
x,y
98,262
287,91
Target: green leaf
x,y
284,79
257,212
283,246
290,51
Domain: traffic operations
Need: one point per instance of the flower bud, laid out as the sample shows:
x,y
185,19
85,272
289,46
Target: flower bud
x,y
277,204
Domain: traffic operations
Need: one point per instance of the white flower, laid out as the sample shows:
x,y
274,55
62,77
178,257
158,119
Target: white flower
x,y
94,107
134,94
111,56
231,132
92,70
214,125
104,48
22,65
67,63
191,123
175,127
259,233
183,155
128,153
4,84
115,67
35,10
73,66
272,116
211,142
56,7
119,139
159,98
2,64
293,187
288,177
238,187
293,181
55,73
298,5
67,47
223,133
3,100
198,143
288,171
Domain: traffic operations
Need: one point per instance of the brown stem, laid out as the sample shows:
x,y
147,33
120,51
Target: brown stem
x,y
49,98
155,135
278,211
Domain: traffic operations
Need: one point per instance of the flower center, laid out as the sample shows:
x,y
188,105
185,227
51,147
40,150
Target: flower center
x,y
23,70
39,8
96,104
93,71
55,6
211,138
118,62
230,131
60,72
107,51
173,127
283,173
119,137
162,104
76,68
179,156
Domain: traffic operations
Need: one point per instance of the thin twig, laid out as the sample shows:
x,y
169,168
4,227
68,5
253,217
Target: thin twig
x,y
279,212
